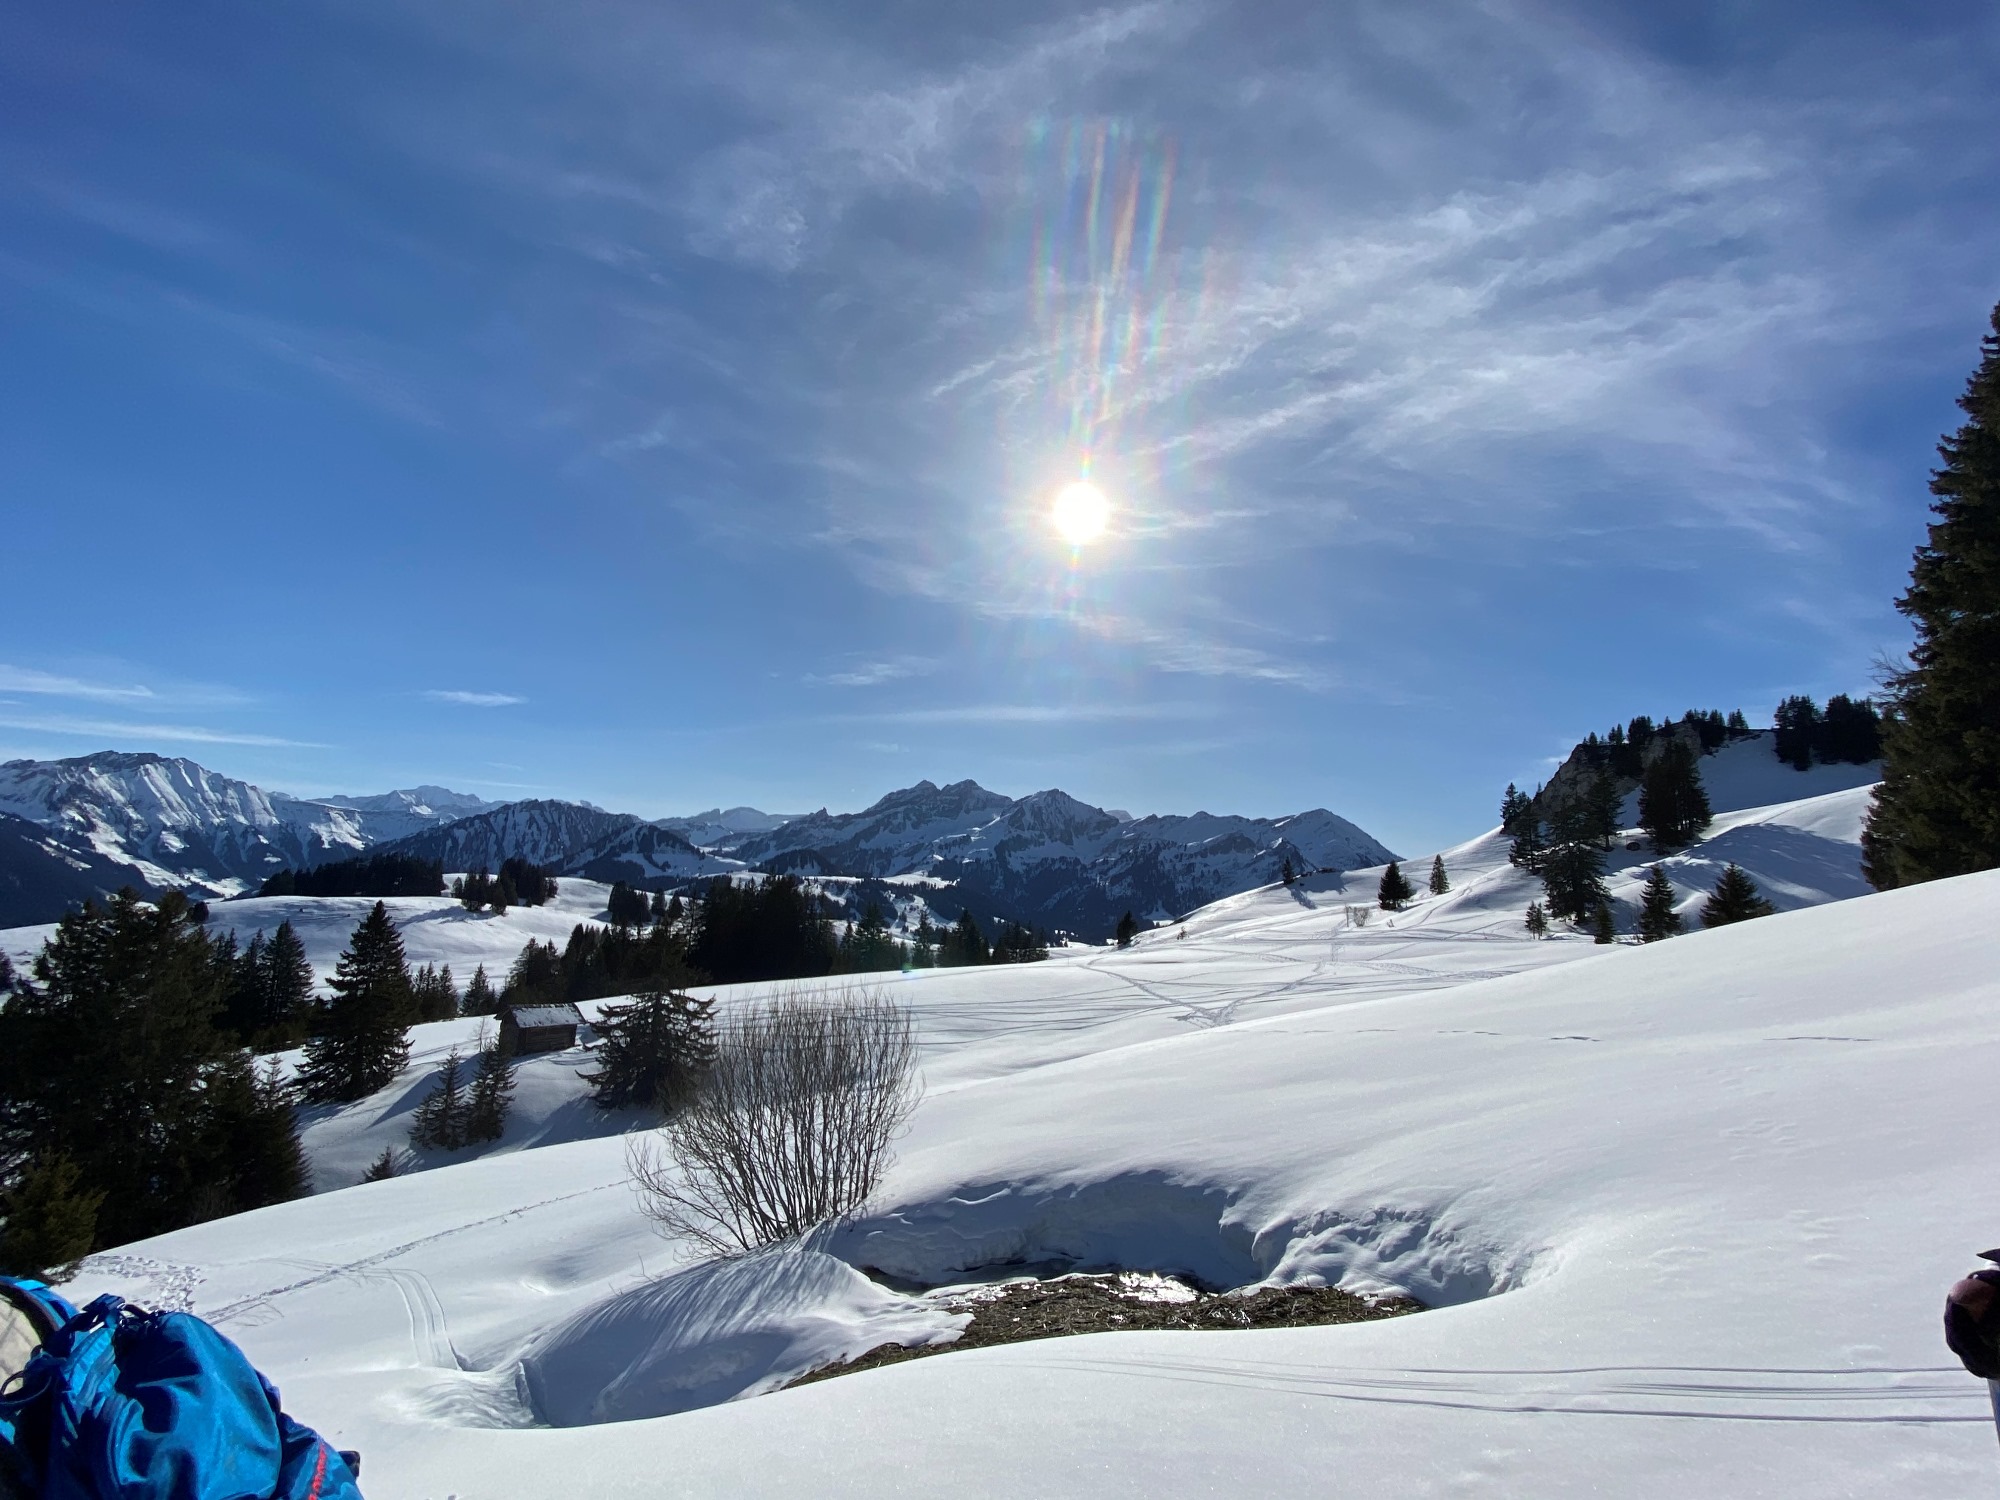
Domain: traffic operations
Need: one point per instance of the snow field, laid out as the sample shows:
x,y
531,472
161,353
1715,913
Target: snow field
x,y
1687,1211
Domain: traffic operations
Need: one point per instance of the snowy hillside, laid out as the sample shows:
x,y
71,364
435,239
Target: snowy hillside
x,y
1686,1212
172,822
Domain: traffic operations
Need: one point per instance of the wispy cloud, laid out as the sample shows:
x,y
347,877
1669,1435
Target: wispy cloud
x,y
146,732
473,700
50,684
1032,713
874,673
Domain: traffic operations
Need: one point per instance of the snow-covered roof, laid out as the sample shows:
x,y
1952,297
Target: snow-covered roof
x,y
530,1017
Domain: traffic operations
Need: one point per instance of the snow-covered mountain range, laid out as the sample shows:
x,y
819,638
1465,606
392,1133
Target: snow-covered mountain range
x,y
95,822
156,821
1046,858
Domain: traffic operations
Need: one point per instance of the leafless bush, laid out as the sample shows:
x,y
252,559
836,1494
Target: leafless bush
x,y
792,1126
1357,916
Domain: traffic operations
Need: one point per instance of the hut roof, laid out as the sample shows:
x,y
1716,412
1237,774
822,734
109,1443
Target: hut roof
x,y
533,1017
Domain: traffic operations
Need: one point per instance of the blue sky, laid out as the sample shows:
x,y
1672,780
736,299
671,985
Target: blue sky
x,y
660,404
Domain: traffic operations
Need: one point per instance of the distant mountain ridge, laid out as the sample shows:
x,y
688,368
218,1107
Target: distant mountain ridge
x,y
1049,858
91,823
156,821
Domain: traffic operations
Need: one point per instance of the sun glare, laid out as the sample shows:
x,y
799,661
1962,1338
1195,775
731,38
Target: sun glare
x,y
1081,511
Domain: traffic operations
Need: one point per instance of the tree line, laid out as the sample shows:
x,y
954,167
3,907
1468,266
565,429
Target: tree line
x,y
129,1102
371,875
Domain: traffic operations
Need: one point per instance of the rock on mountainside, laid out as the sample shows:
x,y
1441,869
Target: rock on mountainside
x,y
173,822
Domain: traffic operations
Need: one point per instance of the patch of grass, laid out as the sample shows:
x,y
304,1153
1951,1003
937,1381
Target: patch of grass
x,y
1012,1312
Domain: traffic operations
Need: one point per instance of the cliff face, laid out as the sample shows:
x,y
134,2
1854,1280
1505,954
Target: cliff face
x,y
1624,763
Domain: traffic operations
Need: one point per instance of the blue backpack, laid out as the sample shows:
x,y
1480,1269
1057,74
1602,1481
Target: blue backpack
x,y
122,1404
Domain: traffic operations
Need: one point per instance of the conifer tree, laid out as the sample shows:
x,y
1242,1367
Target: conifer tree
x,y
1529,846
1937,811
1673,805
1737,726
652,1051
1735,899
964,945
287,989
243,1012
1572,866
1600,810
111,1056
1514,807
1657,917
479,999
1287,874
1603,929
439,1122
1440,882
869,947
491,1094
1797,721
252,1156
362,1042
433,995
1538,920
1395,890
383,1167
48,1221
1128,929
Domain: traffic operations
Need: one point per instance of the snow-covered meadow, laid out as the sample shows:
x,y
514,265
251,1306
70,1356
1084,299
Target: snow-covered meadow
x,y
1685,1214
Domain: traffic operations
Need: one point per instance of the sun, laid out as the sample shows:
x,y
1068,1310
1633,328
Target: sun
x,y
1081,511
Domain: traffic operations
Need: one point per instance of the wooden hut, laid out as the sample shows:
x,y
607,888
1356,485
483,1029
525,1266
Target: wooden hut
x,y
538,1028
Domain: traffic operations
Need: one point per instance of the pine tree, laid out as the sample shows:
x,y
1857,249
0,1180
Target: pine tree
x,y
1572,867
1530,845
251,1155
383,1167
1735,899
243,1012
1657,917
1538,920
479,999
48,1221
1603,929
1287,874
432,994
109,1055
491,1094
1937,811
288,989
362,1041
439,1122
1514,808
964,945
1673,805
1737,726
625,906
1395,890
652,1051
1797,723
1128,929
1440,882
1602,804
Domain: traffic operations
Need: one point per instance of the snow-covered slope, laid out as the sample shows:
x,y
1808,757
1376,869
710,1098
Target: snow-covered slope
x,y
1687,1212
177,823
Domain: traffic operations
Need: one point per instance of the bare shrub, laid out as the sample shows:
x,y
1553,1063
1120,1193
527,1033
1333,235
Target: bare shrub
x,y
791,1128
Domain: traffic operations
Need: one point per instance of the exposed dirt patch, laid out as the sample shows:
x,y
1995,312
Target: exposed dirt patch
x,y
1012,1312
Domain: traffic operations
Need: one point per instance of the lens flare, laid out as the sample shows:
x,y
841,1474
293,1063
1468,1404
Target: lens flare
x,y
1081,512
